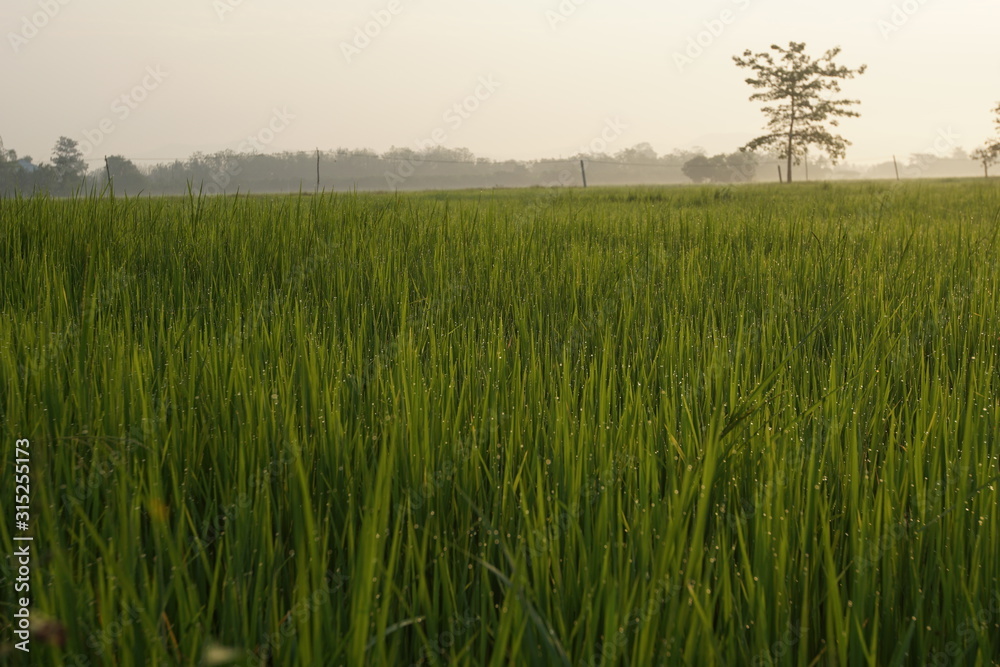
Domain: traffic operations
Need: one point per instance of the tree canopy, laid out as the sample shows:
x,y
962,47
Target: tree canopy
x,y
68,161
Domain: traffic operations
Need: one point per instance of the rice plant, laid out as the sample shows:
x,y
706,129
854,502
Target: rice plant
x,y
693,425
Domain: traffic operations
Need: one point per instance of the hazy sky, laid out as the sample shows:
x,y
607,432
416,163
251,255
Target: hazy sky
x,y
539,78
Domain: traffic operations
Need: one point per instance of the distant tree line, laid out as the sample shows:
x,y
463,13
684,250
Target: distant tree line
x,y
395,169
66,172
437,168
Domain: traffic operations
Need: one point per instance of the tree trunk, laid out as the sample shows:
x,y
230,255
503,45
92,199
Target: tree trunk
x,y
791,134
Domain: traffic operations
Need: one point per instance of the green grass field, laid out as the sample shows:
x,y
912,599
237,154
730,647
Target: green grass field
x,y
692,426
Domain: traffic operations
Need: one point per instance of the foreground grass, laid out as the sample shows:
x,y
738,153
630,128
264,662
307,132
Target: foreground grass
x,y
681,426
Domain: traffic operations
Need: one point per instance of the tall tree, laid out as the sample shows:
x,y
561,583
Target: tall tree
x,y
8,159
8,169
68,161
989,154
800,85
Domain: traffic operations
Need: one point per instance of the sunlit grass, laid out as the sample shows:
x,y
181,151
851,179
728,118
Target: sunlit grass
x,y
680,426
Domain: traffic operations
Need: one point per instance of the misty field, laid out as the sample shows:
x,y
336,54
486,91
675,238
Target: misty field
x,y
696,425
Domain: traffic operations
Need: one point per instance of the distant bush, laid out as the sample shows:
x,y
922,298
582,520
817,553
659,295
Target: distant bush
x,y
739,167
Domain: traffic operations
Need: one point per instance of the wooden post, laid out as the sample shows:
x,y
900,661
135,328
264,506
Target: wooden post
x,y
317,170
781,178
107,168
583,170
896,165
